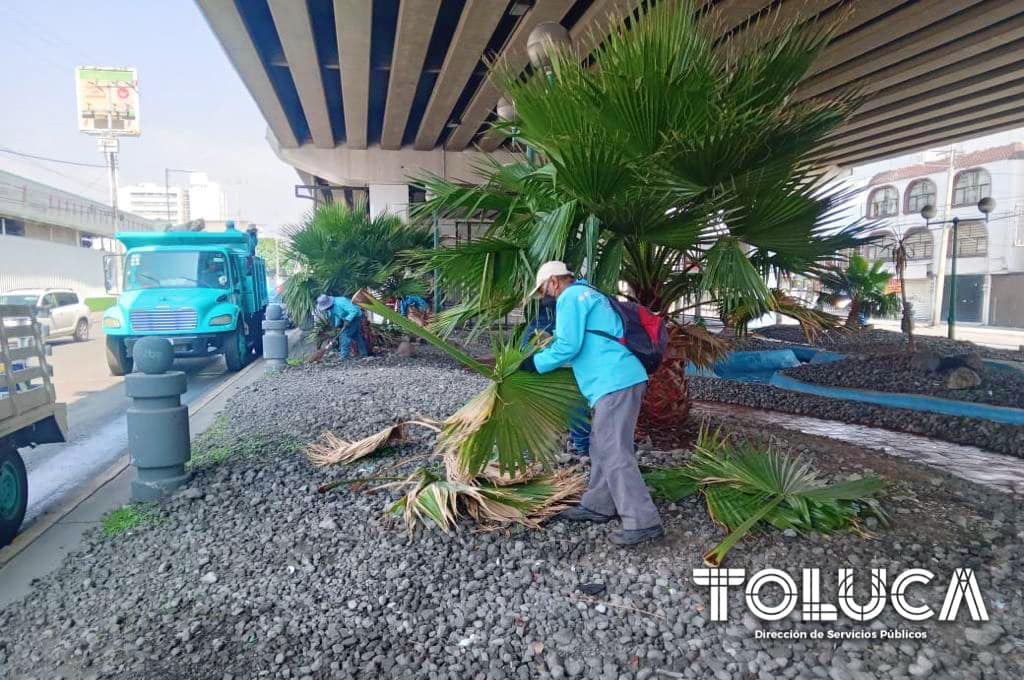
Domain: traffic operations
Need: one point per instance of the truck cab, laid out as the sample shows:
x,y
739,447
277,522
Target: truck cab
x,y
205,292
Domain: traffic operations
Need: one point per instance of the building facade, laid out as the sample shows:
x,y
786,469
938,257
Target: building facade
x,y
154,202
990,254
205,199
51,238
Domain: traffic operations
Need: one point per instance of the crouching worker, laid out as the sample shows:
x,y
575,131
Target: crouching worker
x,y
613,381
349,318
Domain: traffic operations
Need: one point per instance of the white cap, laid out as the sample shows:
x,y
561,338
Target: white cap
x,y
546,271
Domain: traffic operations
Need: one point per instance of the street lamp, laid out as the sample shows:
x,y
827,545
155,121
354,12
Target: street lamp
x,y
167,187
985,207
545,38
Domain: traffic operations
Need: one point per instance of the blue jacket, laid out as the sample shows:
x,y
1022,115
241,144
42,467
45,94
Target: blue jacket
x,y
601,365
411,301
344,310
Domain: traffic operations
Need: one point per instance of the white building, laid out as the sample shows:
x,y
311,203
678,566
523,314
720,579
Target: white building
x,y
990,255
205,199
50,238
154,202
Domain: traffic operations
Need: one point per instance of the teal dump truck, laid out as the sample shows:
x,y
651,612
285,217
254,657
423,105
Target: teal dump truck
x,y
206,292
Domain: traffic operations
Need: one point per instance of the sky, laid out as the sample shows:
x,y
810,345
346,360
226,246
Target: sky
x,y
195,112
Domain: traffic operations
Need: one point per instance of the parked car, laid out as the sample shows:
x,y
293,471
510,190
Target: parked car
x,y
59,309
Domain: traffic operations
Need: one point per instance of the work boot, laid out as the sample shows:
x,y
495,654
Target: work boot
x,y
579,513
627,537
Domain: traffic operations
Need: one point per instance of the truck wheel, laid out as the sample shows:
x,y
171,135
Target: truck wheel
x,y
236,350
13,492
117,357
82,330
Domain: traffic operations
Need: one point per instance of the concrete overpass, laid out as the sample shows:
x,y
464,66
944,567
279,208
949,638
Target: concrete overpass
x,y
361,93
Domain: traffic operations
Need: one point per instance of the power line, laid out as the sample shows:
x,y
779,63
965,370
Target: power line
x,y
50,160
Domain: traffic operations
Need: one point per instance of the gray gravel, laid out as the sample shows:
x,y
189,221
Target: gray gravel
x,y
985,434
874,340
896,373
254,574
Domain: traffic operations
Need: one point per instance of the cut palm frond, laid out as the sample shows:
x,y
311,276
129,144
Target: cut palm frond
x,y
520,418
744,485
434,500
330,449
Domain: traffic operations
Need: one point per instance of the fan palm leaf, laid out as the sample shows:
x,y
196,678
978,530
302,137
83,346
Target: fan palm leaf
x,y
520,419
744,485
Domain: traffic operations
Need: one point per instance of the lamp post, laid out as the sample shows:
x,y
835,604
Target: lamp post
x,y
985,206
167,187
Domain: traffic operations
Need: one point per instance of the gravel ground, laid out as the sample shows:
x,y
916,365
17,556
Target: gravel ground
x,y
250,573
885,342
894,373
985,434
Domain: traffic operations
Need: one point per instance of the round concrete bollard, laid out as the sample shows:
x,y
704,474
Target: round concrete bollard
x,y
158,432
275,343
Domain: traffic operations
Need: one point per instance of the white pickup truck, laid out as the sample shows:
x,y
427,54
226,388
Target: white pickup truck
x,y
29,412
61,310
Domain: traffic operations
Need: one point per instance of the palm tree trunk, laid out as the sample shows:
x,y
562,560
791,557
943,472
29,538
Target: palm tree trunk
x,y
667,402
853,316
907,321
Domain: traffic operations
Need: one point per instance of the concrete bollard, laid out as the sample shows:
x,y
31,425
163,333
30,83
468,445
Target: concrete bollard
x,y
158,432
275,343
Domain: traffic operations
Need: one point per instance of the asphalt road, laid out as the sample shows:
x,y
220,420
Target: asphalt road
x,y
96,419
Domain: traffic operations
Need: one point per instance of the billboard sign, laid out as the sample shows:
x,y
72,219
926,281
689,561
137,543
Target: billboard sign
x,y
108,100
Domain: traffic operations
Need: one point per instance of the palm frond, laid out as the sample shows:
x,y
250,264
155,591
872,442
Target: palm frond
x,y
331,449
744,485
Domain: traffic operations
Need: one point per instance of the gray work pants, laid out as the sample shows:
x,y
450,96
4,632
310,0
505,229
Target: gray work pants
x,y
616,486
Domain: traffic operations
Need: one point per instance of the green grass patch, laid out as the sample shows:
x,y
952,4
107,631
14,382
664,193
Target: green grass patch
x,y
100,304
221,442
128,517
295,361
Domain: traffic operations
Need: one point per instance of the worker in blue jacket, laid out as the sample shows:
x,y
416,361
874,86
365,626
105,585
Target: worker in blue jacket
x,y
613,381
347,316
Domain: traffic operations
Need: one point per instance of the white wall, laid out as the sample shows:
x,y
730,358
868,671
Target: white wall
x,y
28,263
392,198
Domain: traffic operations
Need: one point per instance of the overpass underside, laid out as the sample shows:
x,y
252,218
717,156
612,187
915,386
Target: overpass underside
x,y
364,93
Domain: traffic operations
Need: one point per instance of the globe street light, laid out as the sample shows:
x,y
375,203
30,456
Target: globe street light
x,y
985,207
545,38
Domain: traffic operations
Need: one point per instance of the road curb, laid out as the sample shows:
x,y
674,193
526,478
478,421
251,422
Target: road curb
x,y
29,536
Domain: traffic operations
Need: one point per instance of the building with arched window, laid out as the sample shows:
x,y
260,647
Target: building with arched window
x,y
883,202
920,192
990,256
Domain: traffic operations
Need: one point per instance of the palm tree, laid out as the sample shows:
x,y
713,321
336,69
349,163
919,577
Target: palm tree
x,y
340,250
687,170
899,258
865,286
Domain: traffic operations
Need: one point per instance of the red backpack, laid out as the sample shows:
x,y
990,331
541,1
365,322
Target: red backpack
x,y
643,332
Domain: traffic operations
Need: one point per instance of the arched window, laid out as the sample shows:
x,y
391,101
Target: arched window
x,y
971,240
883,202
919,244
919,194
879,249
970,186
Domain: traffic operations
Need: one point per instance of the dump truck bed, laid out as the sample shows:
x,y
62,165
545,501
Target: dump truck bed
x,y
29,411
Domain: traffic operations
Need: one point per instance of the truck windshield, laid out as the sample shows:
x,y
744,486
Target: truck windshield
x,y
175,269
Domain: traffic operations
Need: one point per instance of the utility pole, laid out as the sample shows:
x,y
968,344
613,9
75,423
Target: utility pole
x,y
108,146
943,249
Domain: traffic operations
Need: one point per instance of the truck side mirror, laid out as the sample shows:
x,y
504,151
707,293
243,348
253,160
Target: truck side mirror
x,y
112,273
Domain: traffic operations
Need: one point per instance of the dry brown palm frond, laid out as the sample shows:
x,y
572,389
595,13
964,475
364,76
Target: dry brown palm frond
x,y
331,449
694,343
493,474
569,485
